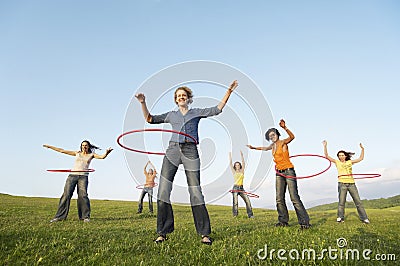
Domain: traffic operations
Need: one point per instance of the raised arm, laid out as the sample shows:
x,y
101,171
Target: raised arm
x,y
152,165
325,143
282,124
243,163
231,163
361,155
261,148
142,99
72,153
224,100
103,156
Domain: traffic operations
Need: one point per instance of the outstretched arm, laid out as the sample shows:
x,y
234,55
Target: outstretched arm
x,y
224,100
361,155
282,124
72,153
325,143
104,155
261,148
142,99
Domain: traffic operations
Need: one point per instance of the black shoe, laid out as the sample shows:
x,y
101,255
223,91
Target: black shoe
x,y
305,226
281,224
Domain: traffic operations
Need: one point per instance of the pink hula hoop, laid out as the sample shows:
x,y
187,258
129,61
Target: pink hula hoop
x,y
150,130
252,195
308,176
142,186
69,171
362,176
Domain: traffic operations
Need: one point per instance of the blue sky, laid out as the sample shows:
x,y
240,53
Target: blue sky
x,y
68,71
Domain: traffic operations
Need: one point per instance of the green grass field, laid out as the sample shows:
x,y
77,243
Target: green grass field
x,y
118,236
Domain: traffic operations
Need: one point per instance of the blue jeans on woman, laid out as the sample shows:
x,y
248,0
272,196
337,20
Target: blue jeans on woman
x,y
81,182
352,189
186,154
235,207
291,184
149,191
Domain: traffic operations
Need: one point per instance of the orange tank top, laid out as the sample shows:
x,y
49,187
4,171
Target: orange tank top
x,y
281,158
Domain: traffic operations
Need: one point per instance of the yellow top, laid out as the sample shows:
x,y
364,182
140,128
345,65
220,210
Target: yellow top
x,y
238,177
344,171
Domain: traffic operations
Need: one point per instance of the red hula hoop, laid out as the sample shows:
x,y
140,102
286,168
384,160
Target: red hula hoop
x,y
69,171
251,195
151,130
362,176
308,176
142,186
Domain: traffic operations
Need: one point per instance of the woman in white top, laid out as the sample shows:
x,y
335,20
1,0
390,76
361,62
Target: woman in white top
x,y
78,179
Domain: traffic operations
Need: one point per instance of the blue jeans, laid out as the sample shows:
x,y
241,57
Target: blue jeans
x,y
352,189
187,155
291,183
81,181
145,190
235,207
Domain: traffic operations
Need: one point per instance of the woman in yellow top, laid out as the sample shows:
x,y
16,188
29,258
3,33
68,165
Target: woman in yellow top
x,y
346,181
238,176
284,166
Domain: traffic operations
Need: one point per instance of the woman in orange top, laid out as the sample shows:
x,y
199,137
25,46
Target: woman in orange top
x,y
284,166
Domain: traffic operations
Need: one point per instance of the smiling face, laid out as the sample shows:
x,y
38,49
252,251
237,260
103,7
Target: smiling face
x,y
237,166
342,156
272,134
85,147
273,137
181,98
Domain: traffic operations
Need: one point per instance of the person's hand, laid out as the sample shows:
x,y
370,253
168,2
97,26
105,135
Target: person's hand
x,y
141,98
324,143
109,150
233,85
282,124
361,146
46,146
249,146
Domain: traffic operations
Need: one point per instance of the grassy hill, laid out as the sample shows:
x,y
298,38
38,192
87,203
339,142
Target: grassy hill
x,y
381,203
118,236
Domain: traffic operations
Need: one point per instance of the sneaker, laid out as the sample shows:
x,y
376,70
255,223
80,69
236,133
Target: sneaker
x,y
251,217
339,220
86,220
281,224
305,226
366,221
55,220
